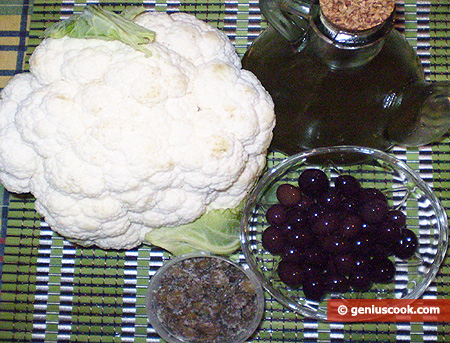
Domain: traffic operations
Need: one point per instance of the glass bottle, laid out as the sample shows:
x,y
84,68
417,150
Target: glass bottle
x,y
336,87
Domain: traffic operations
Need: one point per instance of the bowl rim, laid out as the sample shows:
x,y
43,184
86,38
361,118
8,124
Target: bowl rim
x,y
278,169
154,282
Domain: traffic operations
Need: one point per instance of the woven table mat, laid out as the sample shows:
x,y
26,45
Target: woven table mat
x,y
53,291
14,19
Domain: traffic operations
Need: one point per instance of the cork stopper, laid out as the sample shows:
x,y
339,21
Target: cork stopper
x,y
357,15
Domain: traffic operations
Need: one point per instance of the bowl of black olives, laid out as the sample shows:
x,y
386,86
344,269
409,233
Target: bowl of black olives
x,y
343,223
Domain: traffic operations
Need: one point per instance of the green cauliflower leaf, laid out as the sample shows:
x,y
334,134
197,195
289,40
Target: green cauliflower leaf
x,y
96,22
217,231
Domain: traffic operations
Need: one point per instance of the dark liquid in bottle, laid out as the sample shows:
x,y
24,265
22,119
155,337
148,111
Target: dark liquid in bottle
x,y
317,106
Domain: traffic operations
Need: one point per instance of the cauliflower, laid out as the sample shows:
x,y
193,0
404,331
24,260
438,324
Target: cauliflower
x,y
117,138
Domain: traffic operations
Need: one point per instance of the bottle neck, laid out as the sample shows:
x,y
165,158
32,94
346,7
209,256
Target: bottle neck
x,y
344,49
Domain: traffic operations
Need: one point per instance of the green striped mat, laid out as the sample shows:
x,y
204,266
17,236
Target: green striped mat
x,y
53,291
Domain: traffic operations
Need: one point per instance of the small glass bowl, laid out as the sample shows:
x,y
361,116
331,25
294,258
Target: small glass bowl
x,y
404,189
158,281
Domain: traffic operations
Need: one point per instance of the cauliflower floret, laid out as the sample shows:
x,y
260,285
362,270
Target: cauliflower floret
x,y
114,143
191,38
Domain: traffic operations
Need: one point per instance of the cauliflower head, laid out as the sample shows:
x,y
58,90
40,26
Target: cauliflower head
x,y
114,143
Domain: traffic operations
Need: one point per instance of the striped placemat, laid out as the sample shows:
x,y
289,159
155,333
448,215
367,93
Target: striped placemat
x,y
53,291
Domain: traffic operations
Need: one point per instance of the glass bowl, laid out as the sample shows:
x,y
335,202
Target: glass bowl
x,y
200,297
403,188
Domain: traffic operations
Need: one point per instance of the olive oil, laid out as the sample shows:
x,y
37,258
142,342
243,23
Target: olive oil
x,y
318,106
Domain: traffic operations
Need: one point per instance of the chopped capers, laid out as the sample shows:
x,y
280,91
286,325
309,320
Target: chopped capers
x,y
206,300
